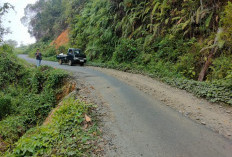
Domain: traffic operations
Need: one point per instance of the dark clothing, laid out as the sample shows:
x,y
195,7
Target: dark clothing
x,y
38,56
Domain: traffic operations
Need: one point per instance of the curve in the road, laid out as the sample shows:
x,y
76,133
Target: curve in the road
x,y
145,127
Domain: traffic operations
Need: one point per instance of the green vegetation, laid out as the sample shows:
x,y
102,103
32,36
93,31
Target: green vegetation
x,y
66,135
27,95
48,52
184,43
45,19
4,8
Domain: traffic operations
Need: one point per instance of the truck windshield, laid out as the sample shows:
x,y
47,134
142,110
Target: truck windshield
x,y
77,52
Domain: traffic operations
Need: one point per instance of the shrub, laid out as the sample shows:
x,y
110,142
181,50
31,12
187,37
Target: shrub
x,y
126,51
64,136
62,49
226,21
28,94
221,68
171,48
10,70
5,107
12,127
214,91
187,66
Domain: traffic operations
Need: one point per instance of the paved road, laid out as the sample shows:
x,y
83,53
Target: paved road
x,y
145,127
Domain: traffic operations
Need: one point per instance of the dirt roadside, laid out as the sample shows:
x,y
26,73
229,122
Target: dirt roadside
x,y
88,94
85,92
217,117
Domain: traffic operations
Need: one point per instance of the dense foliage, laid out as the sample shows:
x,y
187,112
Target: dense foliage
x,y
48,51
133,31
27,95
64,136
45,19
190,40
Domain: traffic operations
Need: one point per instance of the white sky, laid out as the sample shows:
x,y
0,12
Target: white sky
x,y
19,32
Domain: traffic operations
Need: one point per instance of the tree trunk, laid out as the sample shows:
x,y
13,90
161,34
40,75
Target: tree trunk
x,y
210,57
205,67
208,62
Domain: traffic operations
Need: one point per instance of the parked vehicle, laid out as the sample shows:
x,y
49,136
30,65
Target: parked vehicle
x,y
73,56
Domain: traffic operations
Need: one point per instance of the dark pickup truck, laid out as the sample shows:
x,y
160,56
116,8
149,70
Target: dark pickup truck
x,y
73,56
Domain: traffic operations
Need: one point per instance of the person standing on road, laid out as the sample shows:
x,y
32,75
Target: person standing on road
x,y
38,56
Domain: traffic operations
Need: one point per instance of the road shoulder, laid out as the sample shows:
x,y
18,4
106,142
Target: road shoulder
x,y
215,116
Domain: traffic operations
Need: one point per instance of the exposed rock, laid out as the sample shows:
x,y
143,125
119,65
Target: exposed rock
x,y
203,123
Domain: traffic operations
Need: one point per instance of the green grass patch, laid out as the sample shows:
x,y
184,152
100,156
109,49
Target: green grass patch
x,y
66,135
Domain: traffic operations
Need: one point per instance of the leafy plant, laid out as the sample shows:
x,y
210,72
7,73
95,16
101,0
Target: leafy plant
x,y
28,94
64,136
5,107
126,51
226,23
221,68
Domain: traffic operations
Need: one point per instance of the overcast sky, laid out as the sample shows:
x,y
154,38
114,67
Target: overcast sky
x,y
19,32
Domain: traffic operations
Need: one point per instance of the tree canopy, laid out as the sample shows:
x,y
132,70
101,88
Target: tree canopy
x,y
45,19
4,8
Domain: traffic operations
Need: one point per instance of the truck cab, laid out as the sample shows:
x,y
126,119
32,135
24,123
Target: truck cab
x,y
73,56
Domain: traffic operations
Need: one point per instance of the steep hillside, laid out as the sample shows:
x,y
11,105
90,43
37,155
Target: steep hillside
x,y
159,32
188,42
61,40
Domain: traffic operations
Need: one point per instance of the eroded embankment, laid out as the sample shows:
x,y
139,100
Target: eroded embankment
x,y
67,89
70,129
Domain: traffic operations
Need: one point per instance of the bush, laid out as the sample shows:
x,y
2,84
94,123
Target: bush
x,y
214,91
221,68
12,127
62,49
171,48
126,51
49,51
5,107
10,70
187,65
226,21
64,136
28,95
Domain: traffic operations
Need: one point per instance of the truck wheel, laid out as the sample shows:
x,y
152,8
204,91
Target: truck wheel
x,y
60,62
70,63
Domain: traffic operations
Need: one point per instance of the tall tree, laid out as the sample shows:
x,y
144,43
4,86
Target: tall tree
x,y
4,9
45,19
11,42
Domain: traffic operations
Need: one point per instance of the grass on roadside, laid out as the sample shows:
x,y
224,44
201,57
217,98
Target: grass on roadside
x,y
27,96
68,134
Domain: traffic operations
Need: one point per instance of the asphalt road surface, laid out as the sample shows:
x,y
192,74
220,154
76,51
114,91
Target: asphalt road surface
x,y
144,126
